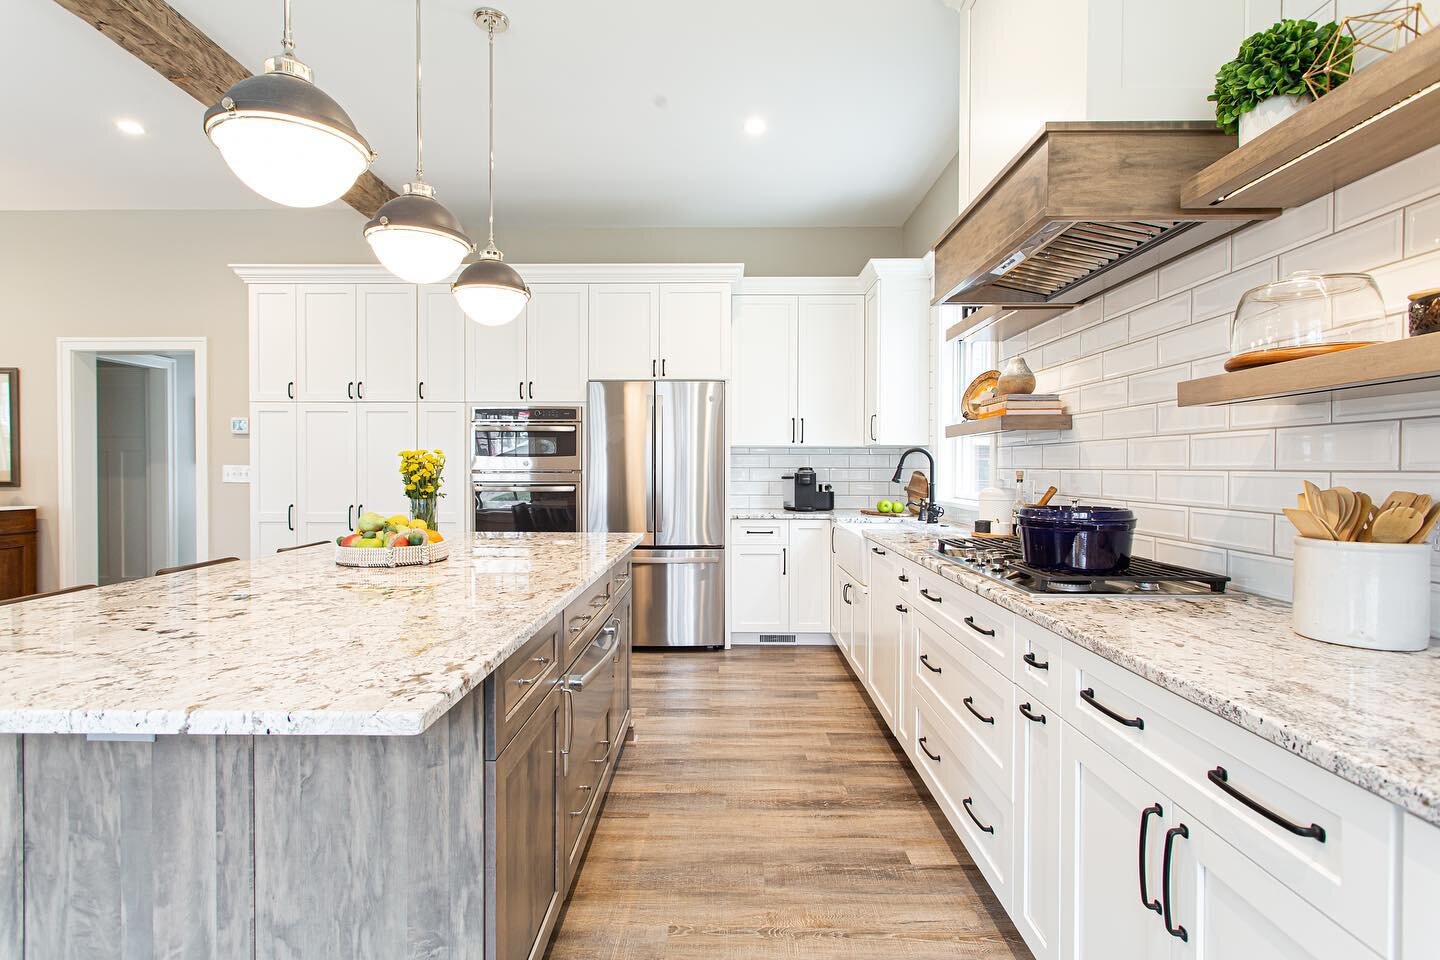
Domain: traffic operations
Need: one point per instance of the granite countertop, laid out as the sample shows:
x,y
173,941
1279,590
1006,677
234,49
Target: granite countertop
x,y
1372,718
839,516
289,644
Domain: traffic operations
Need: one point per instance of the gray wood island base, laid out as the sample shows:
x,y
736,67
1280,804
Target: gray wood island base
x,y
458,838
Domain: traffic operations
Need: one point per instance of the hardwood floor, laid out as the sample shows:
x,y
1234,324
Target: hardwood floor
x,y
763,812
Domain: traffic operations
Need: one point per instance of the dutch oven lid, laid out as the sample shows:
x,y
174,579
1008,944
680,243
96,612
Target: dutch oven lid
x,y
1077,513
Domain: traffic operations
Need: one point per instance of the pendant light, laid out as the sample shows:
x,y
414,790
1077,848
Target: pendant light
x,y
414,235
489,290
284,137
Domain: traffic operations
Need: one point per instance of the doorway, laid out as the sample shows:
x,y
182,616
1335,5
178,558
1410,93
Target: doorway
x,y
132,458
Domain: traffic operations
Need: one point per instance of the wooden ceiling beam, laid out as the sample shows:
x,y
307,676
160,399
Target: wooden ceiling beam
x,y
155,33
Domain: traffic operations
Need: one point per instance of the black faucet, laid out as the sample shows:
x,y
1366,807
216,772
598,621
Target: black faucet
x,y
930,511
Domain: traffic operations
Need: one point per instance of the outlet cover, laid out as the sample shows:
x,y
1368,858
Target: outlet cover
x,y
240,426
235,473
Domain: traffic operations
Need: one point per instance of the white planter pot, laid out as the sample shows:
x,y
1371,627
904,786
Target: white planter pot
x,y
1370,595
1269,112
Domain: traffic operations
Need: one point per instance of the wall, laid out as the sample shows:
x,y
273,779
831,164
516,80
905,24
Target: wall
x,y
861,475
936,211
1208,483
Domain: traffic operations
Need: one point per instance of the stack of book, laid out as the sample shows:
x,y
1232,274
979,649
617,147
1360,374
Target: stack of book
x,y
1022,405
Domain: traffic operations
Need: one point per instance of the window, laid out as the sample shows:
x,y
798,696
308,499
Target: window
x,y
967,463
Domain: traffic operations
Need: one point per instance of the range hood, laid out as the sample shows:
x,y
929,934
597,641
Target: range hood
x,y
1082,208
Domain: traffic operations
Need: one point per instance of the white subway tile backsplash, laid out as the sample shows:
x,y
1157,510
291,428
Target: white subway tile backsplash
x,y
1200,339
1080,483
1189,555
1159,453
1234,451
1128,485
1268,576
1272,492
1085,426
1398,280
1044,332
1221,296
1159,317
1361,247
1134,358
1172,419
1013,347
1086,370
1285,534
1056,456
1103,453
1422,227
1143,547
1108,334
1061,351
1027,456
1161,521
1209,367
1287,412
1207,263
1412,179
1157,386
1104,396
1420,445
1229,528
1339,446
1081,317
1199,489
1136,293
1269,237
1130,422
1379,485
1418,398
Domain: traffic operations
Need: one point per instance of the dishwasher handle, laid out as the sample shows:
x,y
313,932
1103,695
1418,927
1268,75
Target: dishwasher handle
x,y
605,643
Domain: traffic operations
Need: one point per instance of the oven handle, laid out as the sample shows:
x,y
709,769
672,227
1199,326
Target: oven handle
x,y
527,487
520,426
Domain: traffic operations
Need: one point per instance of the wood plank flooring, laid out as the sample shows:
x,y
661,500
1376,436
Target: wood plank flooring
x,y
764,812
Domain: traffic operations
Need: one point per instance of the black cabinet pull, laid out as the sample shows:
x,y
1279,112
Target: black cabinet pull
x,y
350,517
845,593
792,429
522,389
924,658
662,366
532,389
1025,709
879,552
970,705
967,803
784,561
1158,811
872,427
932,756
290,389
422,389
902,608
802,429
1088,695
930,596
1037,664
360,390
1221,779
970,622
904,579
350,390
1175,930
290,516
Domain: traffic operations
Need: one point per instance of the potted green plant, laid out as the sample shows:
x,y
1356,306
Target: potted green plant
x,y
1274,75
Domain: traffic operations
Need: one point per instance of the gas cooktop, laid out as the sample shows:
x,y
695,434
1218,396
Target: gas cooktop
x,y
1000,559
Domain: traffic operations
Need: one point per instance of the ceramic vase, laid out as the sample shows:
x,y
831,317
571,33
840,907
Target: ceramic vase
x,y
1017,377
1269,112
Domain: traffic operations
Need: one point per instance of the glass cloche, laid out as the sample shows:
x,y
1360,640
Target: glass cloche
x,y
1305,315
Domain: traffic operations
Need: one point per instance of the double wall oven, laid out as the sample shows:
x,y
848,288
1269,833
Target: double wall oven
x,y
526,469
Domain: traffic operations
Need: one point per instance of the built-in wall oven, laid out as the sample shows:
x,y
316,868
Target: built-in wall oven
x,y
526,469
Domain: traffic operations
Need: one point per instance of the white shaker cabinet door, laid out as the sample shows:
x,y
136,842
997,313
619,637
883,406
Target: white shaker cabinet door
x,y
624,327
328,341
762,372
272,341
842,617
1035,903
759,589
326,470
809,574
694,330
446,427
860,630
273,477
441,352
556,334
496,368
831,370
382,431
387,342
889,618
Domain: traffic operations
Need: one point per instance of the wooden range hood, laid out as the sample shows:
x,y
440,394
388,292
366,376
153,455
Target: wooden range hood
x,y
1083,207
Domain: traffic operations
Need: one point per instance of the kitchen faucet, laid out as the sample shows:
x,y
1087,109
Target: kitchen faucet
x,y
930,511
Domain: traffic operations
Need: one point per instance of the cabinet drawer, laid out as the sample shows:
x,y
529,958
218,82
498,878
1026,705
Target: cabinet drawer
x,y
1241,787
977,702
519,684
750,532
583,613
983,626
975,808
1039,663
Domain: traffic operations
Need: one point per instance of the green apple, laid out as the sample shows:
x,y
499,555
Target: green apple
x,y
883,506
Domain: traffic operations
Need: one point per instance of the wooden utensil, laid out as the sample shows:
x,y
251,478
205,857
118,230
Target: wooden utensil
x,y
1397,525
1312,498
1363,505
1331,510
1045,497
1309,525
1427,525
1348,506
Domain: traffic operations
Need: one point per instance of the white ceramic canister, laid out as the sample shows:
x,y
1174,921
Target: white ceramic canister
x,y
997,505
1370,595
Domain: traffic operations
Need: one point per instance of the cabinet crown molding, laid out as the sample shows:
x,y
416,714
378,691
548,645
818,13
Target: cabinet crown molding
x,y
896,268
533,273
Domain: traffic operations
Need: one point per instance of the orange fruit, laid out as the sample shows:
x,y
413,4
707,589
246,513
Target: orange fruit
x,y
434,536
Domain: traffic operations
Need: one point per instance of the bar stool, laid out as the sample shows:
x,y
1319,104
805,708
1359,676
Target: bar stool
x,y
52,593
194,566
303,546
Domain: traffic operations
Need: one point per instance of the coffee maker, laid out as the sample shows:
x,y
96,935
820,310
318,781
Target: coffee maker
x,y
808,495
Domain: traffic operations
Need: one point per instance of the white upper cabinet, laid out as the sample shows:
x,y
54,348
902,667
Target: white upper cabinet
x,y
831,365
624,331
694,320
386,368
496,369
328,343
272,341
556,338
897,353
382,430
762,373
441,349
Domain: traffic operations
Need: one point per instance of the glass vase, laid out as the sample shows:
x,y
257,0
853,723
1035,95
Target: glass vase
x,y
423,508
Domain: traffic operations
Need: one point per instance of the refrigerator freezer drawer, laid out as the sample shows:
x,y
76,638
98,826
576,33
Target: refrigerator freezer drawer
x,y
679,598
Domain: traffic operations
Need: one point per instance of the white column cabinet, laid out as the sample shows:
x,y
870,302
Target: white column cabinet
x,y
326,463
385,368
830,353
446,427
441,346
382,430
328,341
556,343
809,576
762,373
272,341
273,477
693,341
624,331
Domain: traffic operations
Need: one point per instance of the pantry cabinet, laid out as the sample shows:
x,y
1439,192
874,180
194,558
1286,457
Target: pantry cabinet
x,y
326,462
273,327
649,331
382,430
274,478
328,345
386,320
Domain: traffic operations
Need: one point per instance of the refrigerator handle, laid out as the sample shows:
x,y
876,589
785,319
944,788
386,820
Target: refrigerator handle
x,y
659,463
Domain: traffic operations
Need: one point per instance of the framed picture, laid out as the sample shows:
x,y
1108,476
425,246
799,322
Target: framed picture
x,y
9,427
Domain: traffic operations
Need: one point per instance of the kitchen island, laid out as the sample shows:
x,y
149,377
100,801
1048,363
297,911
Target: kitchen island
x,y
286,758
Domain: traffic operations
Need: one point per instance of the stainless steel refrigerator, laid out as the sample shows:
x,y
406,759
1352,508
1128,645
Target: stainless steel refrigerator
x,y
655,463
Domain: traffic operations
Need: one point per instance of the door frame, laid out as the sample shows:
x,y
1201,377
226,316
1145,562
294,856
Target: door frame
x,y
78,534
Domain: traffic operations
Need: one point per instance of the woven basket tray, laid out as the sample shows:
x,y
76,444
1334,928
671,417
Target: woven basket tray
x,y
392,556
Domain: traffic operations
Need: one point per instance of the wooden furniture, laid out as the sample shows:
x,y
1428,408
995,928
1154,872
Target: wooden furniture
x,y
165,571
1007,422
1412,358
1388,111
19,554
52,593
1005,321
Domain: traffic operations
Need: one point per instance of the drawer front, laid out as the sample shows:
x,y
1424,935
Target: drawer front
x,y
1335,845
979,812
894,573
17,521
518,686
984,627
584,615
1039,663
750,532
977,702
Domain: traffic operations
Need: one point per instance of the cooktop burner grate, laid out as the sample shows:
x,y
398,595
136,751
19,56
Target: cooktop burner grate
x,y
1002,559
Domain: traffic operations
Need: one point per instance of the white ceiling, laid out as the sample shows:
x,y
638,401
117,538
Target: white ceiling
x,y
609,114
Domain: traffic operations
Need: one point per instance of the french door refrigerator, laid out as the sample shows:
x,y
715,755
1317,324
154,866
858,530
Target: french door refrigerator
x,y
655,464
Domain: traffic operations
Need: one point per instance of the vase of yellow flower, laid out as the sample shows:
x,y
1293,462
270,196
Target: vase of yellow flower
x,y
423,474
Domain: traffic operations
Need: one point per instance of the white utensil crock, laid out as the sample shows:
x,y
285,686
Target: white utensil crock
x,y
1267,113
1370,595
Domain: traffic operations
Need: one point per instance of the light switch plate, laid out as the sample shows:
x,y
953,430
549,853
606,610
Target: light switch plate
x,y
240,426
235,473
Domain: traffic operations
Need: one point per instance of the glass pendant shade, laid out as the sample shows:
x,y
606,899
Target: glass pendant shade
x,y
416,237
490,292
286,139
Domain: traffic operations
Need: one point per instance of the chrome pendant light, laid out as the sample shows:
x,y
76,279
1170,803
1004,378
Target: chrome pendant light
x,y
489,290
284,137
414,235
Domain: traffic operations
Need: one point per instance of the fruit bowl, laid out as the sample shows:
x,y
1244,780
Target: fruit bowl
x,y
428,552
396,541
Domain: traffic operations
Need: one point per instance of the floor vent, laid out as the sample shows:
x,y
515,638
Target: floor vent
x,y
777,638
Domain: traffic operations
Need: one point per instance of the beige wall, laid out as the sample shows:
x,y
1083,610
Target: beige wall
x,y
166,273
936,210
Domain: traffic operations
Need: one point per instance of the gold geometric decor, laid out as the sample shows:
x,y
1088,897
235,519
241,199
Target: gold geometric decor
x,y
1384,31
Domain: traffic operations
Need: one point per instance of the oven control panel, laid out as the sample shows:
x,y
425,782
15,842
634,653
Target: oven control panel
x,y
532,414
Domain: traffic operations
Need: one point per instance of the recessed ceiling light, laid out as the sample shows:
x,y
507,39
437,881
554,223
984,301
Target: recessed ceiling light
x,y
756,125
132,128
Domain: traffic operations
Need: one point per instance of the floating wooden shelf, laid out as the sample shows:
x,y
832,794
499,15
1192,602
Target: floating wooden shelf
x,y
1004,423
1415,358
1386,112
1005,321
